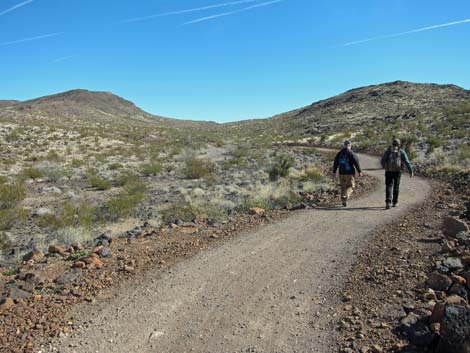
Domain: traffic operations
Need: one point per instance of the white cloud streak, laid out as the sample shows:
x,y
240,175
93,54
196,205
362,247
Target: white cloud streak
x,y
62,58
180,12
393,35
207,18
17,6
44,36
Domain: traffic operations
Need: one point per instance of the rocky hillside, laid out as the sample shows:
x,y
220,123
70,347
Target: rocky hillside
x,y
79,104
79,163
7,103
433,121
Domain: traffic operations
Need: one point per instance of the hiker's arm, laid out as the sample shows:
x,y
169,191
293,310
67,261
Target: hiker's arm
x,y
357,164
407,161
384,159
335,164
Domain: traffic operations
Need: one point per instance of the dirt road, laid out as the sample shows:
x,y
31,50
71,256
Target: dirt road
x,y
273,290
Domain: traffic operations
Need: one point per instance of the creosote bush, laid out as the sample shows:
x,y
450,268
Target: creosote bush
x,y
124,204
280,167
99,183
196,168
312,174
149,169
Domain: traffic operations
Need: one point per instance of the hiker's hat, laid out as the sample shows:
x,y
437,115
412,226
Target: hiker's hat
x,y
396,142
347,143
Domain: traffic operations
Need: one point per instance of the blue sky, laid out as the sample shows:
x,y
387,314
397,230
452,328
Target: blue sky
x,y
261,58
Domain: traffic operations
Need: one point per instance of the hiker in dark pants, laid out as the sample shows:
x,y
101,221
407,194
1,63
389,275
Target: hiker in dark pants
x,y
347,163
392,161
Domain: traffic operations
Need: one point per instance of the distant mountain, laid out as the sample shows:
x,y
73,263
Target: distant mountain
x,y
99,107
7,103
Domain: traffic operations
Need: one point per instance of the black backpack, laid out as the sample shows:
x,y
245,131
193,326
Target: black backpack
x,y
393,162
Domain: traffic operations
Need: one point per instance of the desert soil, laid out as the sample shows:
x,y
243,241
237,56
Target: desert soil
x,y
276,289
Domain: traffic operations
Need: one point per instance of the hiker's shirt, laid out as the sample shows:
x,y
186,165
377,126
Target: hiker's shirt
x,y
347,162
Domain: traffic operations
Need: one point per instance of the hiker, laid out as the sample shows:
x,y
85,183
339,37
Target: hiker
x,y
392,161
347,162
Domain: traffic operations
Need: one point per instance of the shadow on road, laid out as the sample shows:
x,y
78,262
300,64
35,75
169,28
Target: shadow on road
x,y
340,208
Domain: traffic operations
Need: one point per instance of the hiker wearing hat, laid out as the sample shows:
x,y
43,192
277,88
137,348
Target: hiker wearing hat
x,y
392,161
347,163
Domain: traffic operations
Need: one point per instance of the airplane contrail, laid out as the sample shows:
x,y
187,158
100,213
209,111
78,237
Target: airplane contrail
x,y
32,38
62,58
180,12
17,6
232,12
393,35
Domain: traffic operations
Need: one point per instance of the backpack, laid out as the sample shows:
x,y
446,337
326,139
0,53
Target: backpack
x,y
344,163
393,162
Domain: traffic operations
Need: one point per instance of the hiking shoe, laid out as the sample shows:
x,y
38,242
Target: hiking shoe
x,y
387,206
395,204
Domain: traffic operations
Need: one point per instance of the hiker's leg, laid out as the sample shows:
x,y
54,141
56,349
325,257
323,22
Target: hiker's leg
x,y
388,187
351,186
344,187
396,187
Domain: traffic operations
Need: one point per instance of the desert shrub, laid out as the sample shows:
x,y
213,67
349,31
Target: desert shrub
x,y
14,135
77,162
3,180
10,271
69,235
433,142
126,177
312,174
31,173
99,183
7,218
11,194
51,170
196,168
280,167
463,154
115,166
149,169
180,211
77,255
52,156
270,196
123,205
9,161
50,221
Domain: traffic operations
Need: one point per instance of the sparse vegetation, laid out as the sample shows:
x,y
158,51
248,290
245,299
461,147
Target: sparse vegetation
x,y
195,168
280,167
99,183
150,169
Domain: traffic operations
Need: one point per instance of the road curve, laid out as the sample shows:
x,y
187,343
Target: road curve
x,y
272,290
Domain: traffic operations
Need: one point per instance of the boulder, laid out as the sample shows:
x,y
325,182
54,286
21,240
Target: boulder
x,y
438,281
257,211
93,262
438,313
421,335
455,330
453,263
35,255
458,289
68,277
452,226
6,304
43,211
57,249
